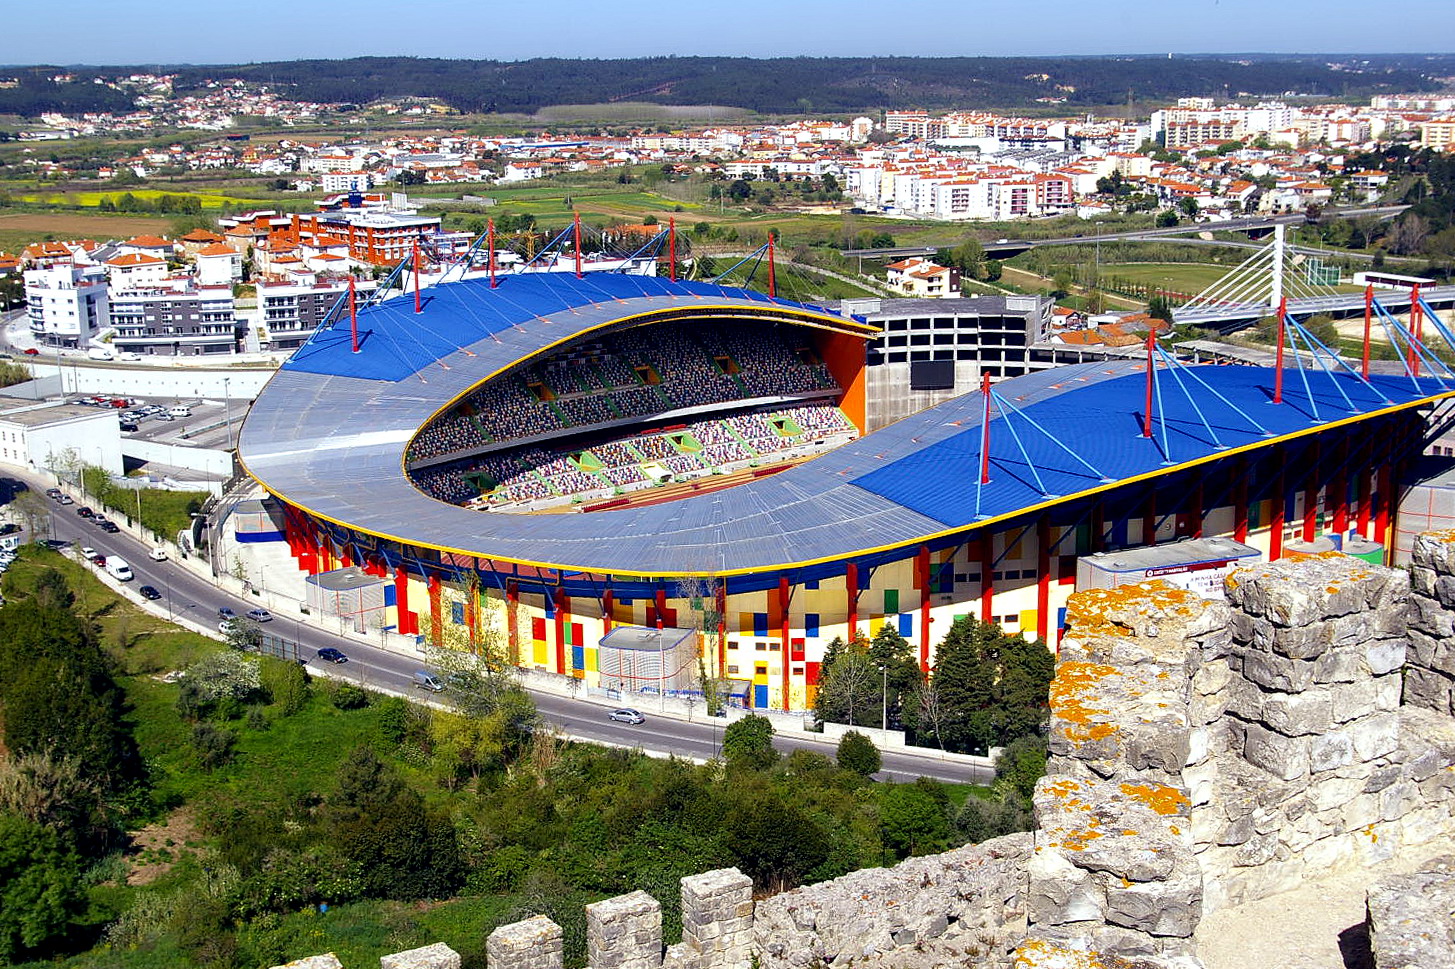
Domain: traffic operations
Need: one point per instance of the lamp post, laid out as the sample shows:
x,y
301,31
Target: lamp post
x,y
227,406
883,701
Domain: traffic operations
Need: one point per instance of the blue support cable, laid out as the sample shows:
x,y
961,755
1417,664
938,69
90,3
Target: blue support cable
x,y
1172,369
1439,324
1048,435
1315,341
1192,373
1303,376
657,240
1161,415
1386,320
1035,473
550,245
1419,348
757,254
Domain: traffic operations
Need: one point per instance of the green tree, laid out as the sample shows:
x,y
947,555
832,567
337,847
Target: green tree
x,y
1166,219
286,683
1159,307
772,839
40,889
857,753
748,743
989,687
914,818
1188,207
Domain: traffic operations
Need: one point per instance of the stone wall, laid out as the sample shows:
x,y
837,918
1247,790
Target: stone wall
x,y
1202,754
1410,923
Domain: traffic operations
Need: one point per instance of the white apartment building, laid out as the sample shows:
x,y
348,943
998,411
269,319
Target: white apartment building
x,y
50,437
351,181
68,304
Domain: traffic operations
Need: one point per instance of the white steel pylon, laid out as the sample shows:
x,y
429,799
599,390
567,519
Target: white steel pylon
x,y
1261,281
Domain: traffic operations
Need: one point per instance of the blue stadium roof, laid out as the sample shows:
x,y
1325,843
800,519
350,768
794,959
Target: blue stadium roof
x,y
329,433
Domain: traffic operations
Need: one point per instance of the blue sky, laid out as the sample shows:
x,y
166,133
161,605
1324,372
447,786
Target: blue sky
x,y
233,31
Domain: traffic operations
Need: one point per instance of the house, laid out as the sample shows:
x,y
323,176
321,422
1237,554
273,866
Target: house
x,y
922,278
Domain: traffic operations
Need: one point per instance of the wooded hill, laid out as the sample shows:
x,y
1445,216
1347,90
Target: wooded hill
x,y
797,85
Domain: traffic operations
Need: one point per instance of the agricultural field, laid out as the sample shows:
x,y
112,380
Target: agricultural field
x,y
20,229
93,199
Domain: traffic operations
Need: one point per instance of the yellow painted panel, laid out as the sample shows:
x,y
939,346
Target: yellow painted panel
x,y
1028,619
591,652
538,652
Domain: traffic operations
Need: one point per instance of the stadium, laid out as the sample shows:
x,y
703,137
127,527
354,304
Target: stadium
x,y
562,458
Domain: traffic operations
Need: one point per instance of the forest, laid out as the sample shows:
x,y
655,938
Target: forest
x,y
789,85
169,801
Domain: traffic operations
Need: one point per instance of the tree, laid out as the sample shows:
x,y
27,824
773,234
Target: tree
x,y
40,889
747,744
1166,219
857,753
772,840
403,850
848,683
914,818
1159,307
991,687
57,795
1189,207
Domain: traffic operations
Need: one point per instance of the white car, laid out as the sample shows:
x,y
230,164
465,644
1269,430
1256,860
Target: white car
x,y
87,552
158,554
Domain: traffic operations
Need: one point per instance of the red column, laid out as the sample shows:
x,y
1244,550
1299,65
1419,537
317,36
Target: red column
x,y
1043,578
787,650
851,599
661,608
1311,495
437,624
1339,497
1240,501
922,568
563,610
408,624
608,602
1381,499
1366,489
722,627
1149,520
987,577
1275,522
512,621
1194,512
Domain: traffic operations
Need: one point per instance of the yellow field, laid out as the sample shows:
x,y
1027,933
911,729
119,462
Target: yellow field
x,y
93,199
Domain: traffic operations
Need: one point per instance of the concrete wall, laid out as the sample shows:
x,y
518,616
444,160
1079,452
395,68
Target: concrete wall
x,y
241,384
206,460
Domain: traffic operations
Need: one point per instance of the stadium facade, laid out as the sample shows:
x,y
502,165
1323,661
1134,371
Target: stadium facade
x,y
981,505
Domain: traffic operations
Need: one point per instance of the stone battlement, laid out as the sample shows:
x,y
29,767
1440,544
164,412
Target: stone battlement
x,y
1202,754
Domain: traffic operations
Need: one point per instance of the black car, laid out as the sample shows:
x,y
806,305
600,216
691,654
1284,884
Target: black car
x,y
110,527
330,655
129,426
85,511
149,592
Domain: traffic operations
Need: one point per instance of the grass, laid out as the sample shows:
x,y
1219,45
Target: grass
x,y
19,230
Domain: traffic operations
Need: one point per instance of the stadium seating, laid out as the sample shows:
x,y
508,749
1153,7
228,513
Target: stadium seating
x,y
535,476
632,373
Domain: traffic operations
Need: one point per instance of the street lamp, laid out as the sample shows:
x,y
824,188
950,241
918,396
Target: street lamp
x,y
883,700
227,406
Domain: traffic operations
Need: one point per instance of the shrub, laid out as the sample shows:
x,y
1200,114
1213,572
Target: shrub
x,y
346,696
857,753
213,745
748,743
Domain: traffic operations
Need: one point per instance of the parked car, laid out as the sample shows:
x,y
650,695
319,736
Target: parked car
x,y
157,554
9,528
627,715
225,612
111,528
426,680
149,592
260,615
128,427
330,655
67,500
85,511
53,493
98,519
88,552
227,627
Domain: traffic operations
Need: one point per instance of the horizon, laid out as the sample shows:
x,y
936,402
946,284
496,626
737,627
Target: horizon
x,y
149,32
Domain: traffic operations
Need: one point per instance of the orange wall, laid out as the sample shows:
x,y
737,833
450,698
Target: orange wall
x,y
844,356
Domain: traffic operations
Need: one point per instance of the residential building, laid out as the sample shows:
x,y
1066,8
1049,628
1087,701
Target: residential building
x,y
922,278
161,321
68,304
1439,133
290,312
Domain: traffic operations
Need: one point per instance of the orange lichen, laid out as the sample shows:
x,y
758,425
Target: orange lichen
x,y
1166,801
1071,693
1042,954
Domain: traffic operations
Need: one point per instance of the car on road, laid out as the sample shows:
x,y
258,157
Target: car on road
x,y
149,592
157,554
225,612
128,427
85,511
111,528
90,553
627,715
67,500
31,352
99,519
260,615
53,493
228,627
331,655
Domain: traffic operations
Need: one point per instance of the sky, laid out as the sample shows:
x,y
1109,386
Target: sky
x,y
227,31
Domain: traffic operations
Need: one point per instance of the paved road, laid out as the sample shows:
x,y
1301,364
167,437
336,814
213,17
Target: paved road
x,y
184,594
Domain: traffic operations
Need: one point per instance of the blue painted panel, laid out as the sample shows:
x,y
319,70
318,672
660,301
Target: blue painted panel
x,y
760,697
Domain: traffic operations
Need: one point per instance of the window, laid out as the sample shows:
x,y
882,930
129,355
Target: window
x,y
732,671
457,613
732,644
760,647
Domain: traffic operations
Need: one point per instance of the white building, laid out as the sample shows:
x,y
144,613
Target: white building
x,y
68,304
53,437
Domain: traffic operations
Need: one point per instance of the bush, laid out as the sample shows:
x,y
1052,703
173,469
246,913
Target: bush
x,y
346,696
213,745
748,743
287,684
857,753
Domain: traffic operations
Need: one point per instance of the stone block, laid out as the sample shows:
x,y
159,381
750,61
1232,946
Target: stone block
x,y
436,956
1171,907
1409,918
1283,757
534,943
1060,893
1375,736
717,917
1384,656
1298,714
1330,751
1279,672
624,932
325,961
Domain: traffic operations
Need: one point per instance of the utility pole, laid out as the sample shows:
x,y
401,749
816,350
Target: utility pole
x,y
883,701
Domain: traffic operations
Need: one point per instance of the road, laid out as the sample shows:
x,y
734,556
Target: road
x,y
184,594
